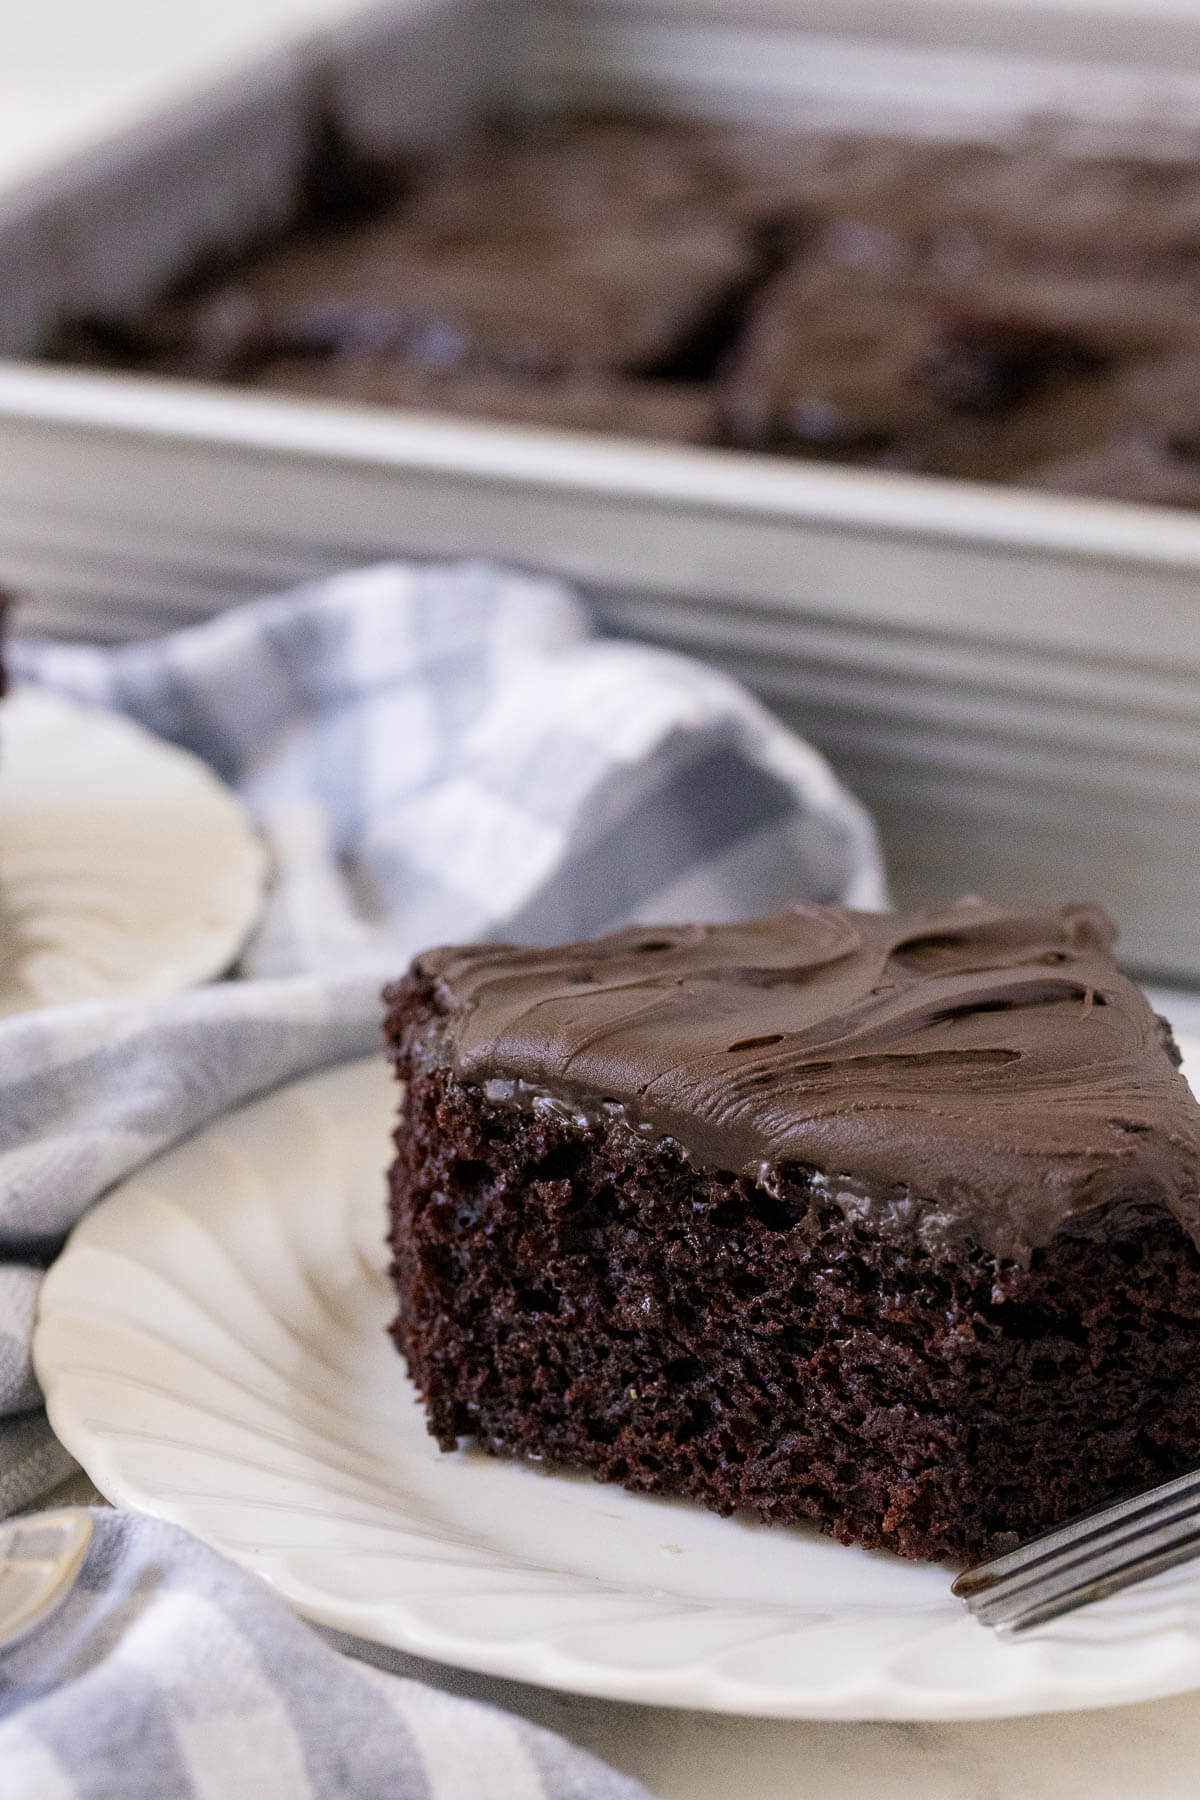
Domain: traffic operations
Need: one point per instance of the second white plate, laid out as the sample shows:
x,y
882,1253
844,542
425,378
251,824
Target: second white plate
x,y
213,1349
126,867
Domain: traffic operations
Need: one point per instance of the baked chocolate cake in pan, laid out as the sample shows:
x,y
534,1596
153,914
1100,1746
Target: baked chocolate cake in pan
x,y
973,310
885,1222
604,297
989,374
1153,450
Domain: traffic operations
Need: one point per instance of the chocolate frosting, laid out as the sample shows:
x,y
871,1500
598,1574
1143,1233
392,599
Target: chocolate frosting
x,y
980,1073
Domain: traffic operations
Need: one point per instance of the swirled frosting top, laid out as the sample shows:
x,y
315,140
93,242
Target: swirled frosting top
x,y
990,1068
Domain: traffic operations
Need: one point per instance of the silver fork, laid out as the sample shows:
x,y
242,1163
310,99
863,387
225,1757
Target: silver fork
x,y
1094,1555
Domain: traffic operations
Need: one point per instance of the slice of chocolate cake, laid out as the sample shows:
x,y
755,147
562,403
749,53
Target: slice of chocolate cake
x,y
886,1222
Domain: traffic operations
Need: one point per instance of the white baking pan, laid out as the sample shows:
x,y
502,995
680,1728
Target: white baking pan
x,y
1011,679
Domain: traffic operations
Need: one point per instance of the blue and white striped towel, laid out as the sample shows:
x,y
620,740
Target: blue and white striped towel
x,y
169,1672
434,753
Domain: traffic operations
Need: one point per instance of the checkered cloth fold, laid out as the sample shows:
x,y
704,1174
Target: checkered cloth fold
x,y
435,753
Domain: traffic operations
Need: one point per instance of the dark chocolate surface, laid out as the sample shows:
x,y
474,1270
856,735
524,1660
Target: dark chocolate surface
x,y
989,1069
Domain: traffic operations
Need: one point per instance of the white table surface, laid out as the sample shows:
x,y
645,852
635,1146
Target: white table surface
x,y
72,71
1149,1752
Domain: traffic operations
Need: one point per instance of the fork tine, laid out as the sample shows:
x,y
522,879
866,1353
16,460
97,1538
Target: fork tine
x,y
1076,1532
1140,1569
1118,1562
1106,1537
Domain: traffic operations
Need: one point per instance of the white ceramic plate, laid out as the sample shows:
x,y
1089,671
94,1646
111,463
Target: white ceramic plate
x,y
126,867
213,1350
